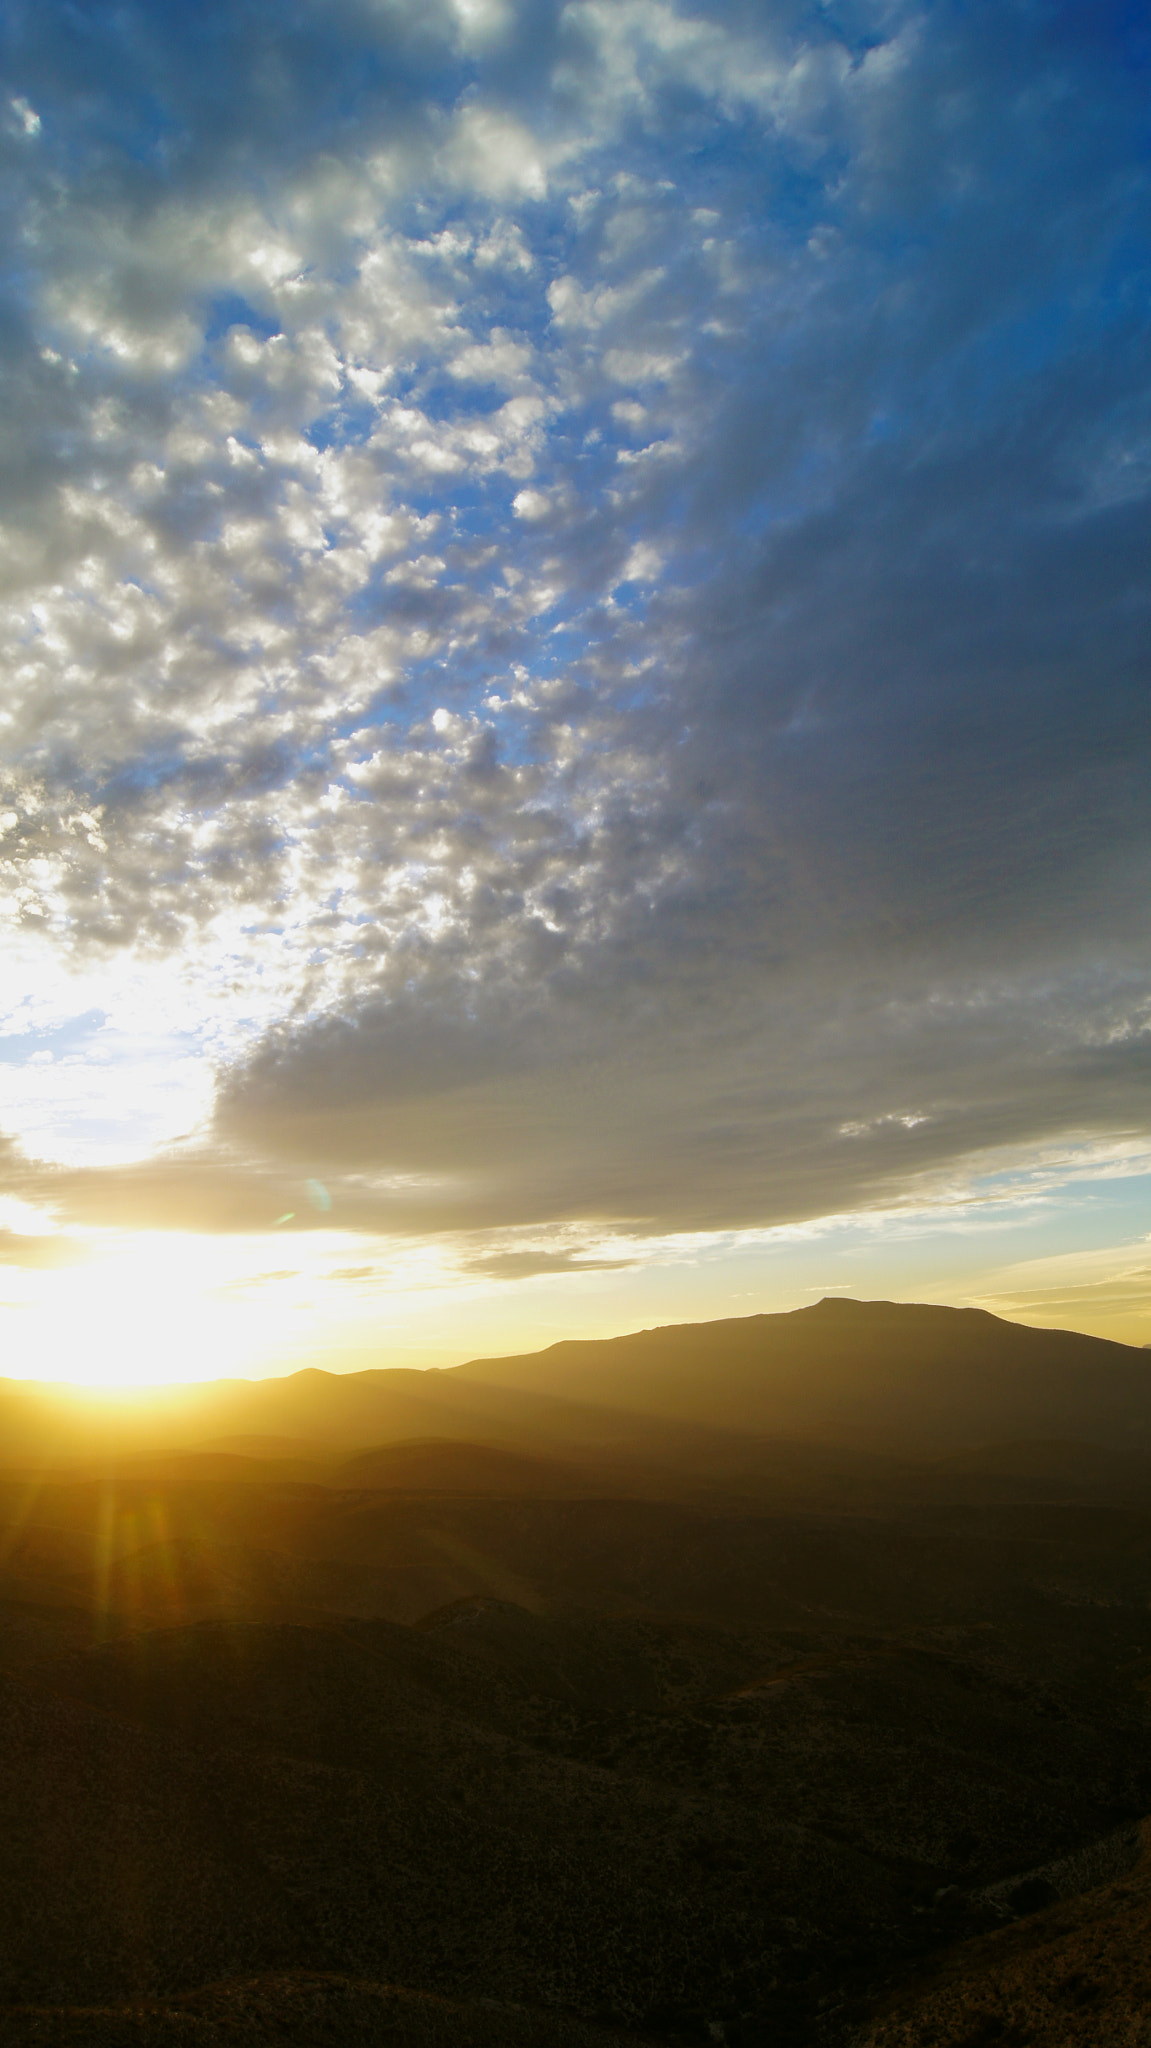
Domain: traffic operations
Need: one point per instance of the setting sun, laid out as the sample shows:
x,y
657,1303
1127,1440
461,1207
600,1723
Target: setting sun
x,y
145,1309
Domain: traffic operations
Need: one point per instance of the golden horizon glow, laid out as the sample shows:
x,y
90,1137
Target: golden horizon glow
x,y
142,1311
145,1311
139,1313
504,774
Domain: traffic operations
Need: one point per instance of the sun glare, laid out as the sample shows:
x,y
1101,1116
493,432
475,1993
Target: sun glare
x,y
164,1308
152,1310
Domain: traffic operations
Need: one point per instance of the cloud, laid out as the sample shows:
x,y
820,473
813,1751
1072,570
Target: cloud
x,y
524,1264
41,1253
574,603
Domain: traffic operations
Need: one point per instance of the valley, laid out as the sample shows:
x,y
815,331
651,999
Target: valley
x,y
678,1734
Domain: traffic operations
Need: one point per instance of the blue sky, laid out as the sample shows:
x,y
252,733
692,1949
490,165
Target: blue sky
x,y
575,630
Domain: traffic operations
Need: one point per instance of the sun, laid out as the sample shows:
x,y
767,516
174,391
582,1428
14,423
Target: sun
x,y
145,1310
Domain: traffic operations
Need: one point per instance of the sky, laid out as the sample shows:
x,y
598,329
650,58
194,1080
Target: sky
x,y
575,713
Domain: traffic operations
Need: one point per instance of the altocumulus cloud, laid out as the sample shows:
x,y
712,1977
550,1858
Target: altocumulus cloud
x,y
575,596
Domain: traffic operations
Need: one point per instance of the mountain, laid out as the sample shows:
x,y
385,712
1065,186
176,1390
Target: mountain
x,y
875,1372
881,1376
784,1683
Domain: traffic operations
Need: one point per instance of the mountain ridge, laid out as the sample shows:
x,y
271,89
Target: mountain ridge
x,y
905,1377
842,1370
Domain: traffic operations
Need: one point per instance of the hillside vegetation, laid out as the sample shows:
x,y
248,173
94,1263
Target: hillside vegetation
x,y
598,1725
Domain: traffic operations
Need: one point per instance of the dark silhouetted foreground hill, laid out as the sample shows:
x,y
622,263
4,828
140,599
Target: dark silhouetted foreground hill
x,y
562,1719
1077,1975
295,1763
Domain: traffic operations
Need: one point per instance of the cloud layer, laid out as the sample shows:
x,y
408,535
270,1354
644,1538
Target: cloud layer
x,y
575,614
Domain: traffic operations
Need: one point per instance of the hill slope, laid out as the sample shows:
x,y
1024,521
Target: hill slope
x,y
447,1741
869,1375
451,1465
842,1371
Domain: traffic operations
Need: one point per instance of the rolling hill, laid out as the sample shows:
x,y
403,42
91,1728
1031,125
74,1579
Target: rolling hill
x,y
780,1682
